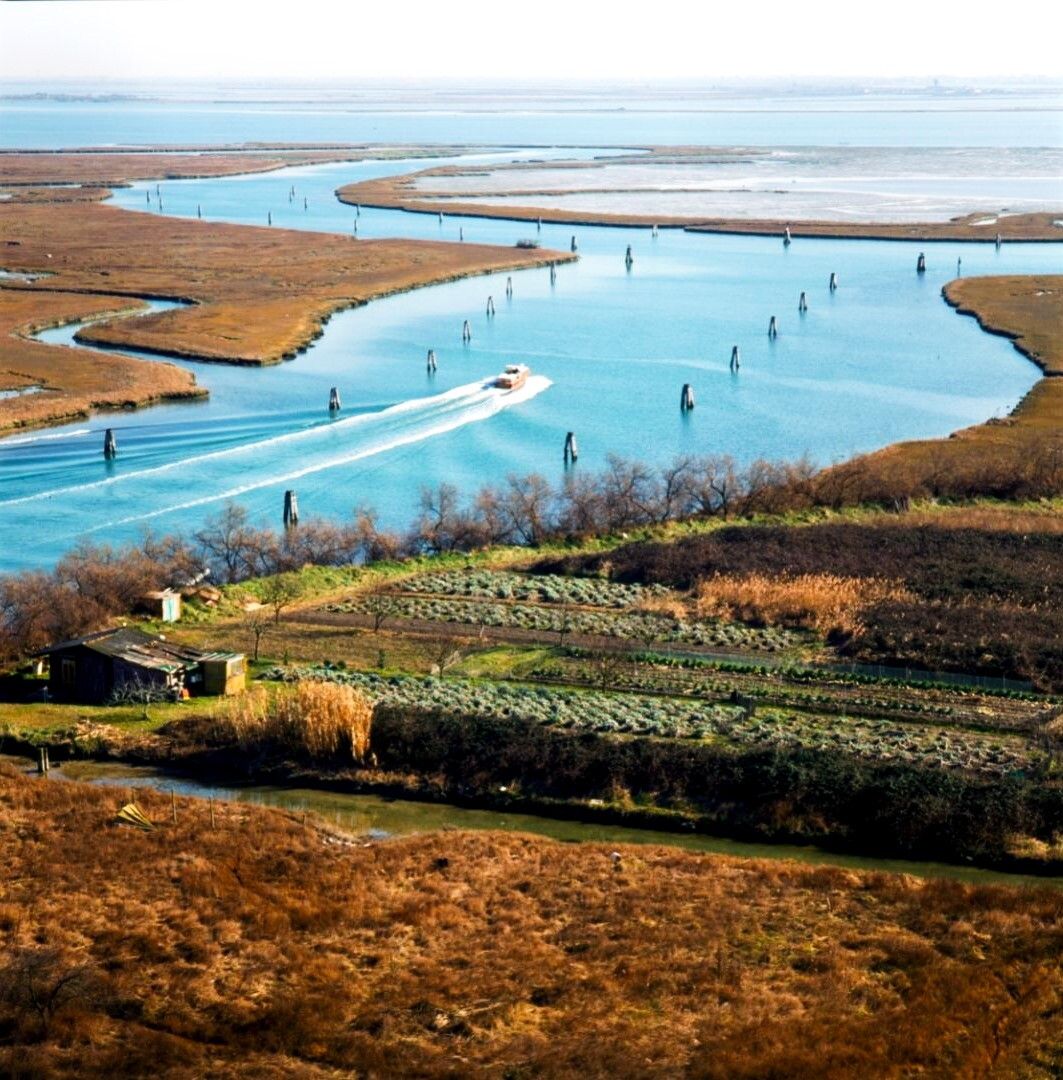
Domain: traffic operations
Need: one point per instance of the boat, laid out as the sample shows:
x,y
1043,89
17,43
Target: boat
x,y
513,378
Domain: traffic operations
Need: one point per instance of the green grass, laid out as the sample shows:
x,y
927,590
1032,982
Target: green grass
x,y
49,718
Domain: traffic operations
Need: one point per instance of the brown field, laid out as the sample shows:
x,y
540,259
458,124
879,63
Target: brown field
x,y
74,381
270,947
996,457
400,193
259,294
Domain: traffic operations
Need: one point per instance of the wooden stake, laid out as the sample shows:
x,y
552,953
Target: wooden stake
x,y
212,811
173,805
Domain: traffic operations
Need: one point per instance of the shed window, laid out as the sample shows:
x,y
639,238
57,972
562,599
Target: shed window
x,y
68,671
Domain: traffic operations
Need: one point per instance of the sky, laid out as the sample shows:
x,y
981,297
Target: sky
x,y
544,39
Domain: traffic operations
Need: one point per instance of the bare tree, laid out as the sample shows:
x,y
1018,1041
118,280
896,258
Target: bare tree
x,y
444,651
256,622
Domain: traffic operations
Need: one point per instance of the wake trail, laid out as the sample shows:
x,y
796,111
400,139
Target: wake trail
x,y
378,433
301,440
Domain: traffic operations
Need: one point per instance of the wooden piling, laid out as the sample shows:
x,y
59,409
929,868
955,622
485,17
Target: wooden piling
x,y
306,205
571,449
999,241
686,398
173,805
773,328
291,510
490,306
573,246
628,257
920,264
509,287
334,400
802,303
199,211
653,232
461,234
269,217
212,811
431,362
110,444
735,359
786,237
42,762
466,333
553,273
833,281
538,224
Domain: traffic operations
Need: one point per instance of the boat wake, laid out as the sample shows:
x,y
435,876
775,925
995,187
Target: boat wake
x,y
146,493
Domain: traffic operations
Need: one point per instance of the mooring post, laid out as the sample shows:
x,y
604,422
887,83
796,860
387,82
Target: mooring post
x,y
269,217
148,194
686,398
571,449
110,444
306,205
440,217
735,364
466,332
628,257
773,328
553,273
291,510
653,232
538,224
354,228
357,209
959,266
509,288
920,264
573,246
802,304
999,241
490,306
431,363
833,281
199,211
334,400
461,233
786,237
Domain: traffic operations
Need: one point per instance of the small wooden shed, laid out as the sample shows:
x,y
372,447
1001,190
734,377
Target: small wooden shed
x,y
91,669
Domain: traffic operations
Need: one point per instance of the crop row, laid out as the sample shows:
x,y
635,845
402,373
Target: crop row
x,y
641,715
537,588
628,626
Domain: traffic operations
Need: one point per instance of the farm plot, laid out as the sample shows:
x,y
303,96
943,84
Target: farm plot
x,y
793,688
643,715
639,626
535,588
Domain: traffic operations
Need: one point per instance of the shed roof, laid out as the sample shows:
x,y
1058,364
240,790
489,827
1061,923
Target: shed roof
x,y
135,647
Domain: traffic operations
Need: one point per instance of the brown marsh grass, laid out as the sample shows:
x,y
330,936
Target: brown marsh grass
x,y
316,719
829,603
266,947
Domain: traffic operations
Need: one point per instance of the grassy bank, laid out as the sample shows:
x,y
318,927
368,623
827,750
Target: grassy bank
x,y
266,946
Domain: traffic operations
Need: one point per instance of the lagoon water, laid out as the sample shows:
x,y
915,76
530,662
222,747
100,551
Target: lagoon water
x,y
880,360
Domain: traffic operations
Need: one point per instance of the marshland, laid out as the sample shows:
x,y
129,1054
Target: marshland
x,y
730,748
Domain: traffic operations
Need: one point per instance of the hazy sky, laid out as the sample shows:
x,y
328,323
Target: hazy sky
x,y
551,39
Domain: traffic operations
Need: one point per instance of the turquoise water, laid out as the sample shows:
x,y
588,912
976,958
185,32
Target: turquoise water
x,y
881,359
621,116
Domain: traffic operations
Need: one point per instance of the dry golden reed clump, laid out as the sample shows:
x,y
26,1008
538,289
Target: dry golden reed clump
x,y
321,719
828,603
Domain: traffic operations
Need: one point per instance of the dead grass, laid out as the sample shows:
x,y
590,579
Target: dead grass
x,y
828,603
74,381
316,719
265,948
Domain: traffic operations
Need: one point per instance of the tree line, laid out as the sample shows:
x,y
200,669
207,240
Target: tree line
x,y
94,584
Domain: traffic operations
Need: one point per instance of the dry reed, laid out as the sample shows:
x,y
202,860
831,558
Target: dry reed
x,y
320,719
827,603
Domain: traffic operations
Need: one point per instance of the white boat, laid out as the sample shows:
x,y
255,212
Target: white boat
x,y
513,378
